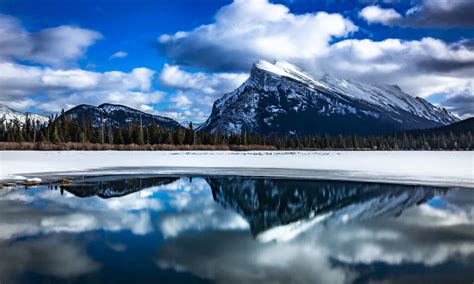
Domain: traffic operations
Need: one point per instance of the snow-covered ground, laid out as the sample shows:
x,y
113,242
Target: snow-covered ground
x,y
415,167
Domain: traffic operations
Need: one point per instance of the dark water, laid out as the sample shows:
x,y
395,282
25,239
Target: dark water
x,y
235,230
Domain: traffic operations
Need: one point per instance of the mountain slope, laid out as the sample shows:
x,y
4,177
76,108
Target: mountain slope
x,y
117,116
10,115
280,98
456,128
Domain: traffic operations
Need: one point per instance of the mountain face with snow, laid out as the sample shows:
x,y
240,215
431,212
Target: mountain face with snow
x,y
9,115
270,203
280,98
117,116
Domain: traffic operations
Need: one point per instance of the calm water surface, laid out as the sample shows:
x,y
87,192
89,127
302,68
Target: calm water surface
x,y
149,229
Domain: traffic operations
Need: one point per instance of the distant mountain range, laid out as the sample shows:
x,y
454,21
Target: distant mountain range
x,y
280,98
117,116
10,115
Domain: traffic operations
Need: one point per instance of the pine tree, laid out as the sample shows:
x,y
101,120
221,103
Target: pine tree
x,y
55,138
189,135
167,138
178,136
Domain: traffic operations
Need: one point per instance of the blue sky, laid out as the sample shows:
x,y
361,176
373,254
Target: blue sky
x,y
176,57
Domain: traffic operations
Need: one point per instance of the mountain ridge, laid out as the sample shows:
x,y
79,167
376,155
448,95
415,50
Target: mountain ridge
x,y
117,115
280,98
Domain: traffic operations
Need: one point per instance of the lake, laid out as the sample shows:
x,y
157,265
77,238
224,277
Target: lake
x,y
231,229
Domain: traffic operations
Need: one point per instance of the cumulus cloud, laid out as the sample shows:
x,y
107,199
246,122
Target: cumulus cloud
x,y
180,101
66,88
118,54
56,46
175,77
245,31
375,14
421,67
441,14
135,99
54,76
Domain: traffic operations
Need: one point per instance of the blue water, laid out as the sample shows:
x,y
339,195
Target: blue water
x,y
152,229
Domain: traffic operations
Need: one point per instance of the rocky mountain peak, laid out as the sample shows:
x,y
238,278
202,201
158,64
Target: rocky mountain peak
x,y
281,98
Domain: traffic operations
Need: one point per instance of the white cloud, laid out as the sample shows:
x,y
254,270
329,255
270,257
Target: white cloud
x,y
173,76
421,67
62,85
245,31
375,14
181,101
118,54
56,46
20,104
133,99
425,14
66,88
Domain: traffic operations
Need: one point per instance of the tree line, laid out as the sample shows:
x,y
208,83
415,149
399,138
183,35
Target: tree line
x,y
62,129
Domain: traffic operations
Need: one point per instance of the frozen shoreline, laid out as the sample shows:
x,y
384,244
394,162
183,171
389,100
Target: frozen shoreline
x,y
441,168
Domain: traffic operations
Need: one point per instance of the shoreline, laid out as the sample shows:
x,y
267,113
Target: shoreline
x,y
437,168
94,147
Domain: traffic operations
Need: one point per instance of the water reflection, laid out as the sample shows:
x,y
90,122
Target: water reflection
x,y
267,203
113,186
54,256
234,230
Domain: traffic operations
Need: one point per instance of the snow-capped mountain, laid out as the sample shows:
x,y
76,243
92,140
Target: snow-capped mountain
x,y
269,203
10,115
117,115
280,98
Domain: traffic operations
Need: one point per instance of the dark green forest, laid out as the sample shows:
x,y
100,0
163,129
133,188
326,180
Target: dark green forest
x,y
61,129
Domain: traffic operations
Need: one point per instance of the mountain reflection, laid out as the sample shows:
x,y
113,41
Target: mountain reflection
x,y
267,203
108,187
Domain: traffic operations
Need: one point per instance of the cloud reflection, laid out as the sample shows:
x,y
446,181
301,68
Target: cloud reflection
x,y
50,256
429,235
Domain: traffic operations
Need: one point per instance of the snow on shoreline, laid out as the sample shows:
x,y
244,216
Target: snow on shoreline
x,y
441,168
